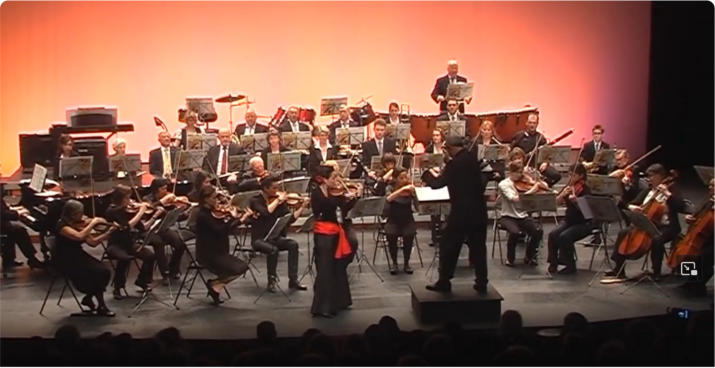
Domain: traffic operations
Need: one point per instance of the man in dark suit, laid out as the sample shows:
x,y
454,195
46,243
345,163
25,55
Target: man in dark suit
x,y
588,153
291,123
250,127
216,159
379,145
344,121
158,165
467,220
528,140
452,113
439,92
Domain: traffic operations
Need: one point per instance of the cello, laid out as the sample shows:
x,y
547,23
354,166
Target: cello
x,y
638,242
698,233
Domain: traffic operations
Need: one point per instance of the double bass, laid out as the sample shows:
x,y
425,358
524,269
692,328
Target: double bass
x,y
700,231
638,242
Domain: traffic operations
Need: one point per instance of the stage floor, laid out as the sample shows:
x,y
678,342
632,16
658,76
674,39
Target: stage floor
x,y
541,301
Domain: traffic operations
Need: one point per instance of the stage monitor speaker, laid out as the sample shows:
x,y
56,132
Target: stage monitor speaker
x,y
96,147
36,149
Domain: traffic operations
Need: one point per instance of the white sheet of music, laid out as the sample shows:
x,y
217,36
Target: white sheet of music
x,y
427,194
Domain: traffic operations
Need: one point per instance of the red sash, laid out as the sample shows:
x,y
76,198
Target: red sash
x,y
331,228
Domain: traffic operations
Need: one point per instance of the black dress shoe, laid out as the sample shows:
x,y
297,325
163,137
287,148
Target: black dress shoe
x,y
104,311
393,269
440,287
297,286
35,263
568,270
408,270
88,302
117,294
322,315
481,289
271,287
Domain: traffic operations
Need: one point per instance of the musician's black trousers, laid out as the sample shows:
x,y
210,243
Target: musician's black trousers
x,y
451,244
271,249
123,255
178,246
17,235
657,251
514,227
561,242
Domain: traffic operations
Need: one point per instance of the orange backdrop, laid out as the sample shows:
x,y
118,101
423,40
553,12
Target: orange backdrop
x,y
581,63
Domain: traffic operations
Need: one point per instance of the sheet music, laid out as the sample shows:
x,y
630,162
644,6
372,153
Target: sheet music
x,y
39,174
460,90
427,194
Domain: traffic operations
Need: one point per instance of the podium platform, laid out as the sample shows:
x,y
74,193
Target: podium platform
x,y
462,305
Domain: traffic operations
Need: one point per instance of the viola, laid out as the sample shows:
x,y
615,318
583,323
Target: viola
x,y
133,207
698,233
638,242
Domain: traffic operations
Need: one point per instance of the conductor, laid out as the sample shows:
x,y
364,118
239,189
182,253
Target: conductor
x,y
467,220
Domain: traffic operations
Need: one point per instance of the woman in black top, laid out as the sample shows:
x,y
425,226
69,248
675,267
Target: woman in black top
x,y
572,228
335,245
65,149
212,244
274,146
122,243
89,275
400,221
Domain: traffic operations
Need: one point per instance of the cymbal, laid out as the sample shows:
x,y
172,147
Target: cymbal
x,y
230,98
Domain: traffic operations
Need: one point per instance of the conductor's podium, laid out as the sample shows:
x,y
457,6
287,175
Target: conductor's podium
x,y
463,304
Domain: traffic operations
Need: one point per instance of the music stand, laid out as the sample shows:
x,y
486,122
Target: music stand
x,y
284,161
357,135
289,140
705,173
189,160
342,136
494,152
459,91
603,185
399,131
295,185
169,220
304,140
554,154
376,162
194,141
331,105
76,170
238,163
129,163
260,141
366,207
640,221
307,228
247,142
603,211
243,199
278,227
429,160
541,202
343,164
208,140
452,128
605,157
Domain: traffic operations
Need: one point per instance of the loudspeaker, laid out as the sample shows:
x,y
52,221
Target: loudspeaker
x,y
96,147
36,149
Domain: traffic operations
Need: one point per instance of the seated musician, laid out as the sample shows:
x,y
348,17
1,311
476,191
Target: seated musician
x,y
528,140
439,92
193,126
212,242
514,220
495,169
251,180
572,228
452,113
588,153
250,127
660,193
344,121
275,145
291,123
217,158
379,145
630,186
704,260
393,116
16,235
163,159
379,180
65,149
398,209
160,197
268,206
322,151
120,147
88,275
436,145
122,243
201,179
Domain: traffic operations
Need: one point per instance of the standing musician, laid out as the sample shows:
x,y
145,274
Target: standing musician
x,y
251,179
393,116
467,219
344,121
322,151
528,140
400,200
213,225
160,197
122,243
88,274
193,126
588,153
291,123
16,235
662,192
572,228
379,145
250,127
335,242
515,220
65,149
163,159
436,145
439,92
268,206
275,145
216,160
452,113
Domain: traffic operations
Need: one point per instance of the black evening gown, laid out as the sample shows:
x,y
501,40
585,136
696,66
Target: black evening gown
x,y
87,274
212,245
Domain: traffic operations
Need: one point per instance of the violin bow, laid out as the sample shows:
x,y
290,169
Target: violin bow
x,y
643,157
573,169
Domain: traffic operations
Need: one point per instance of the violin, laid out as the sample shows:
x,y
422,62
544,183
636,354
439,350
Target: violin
x,y
292,199
344,188
226,211
527,182
133,207
101,227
